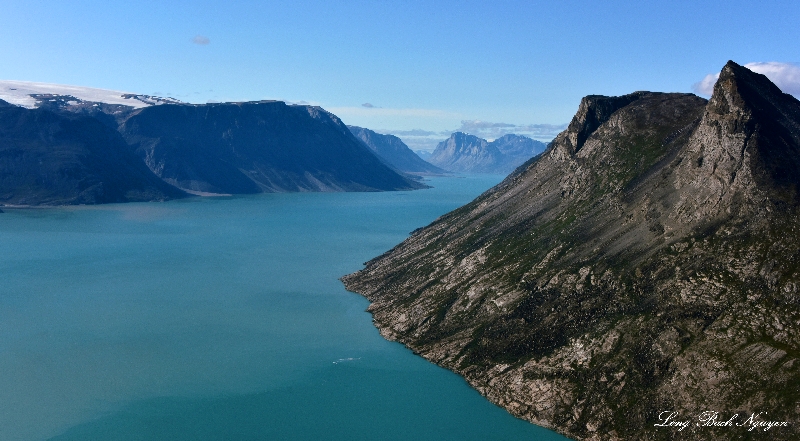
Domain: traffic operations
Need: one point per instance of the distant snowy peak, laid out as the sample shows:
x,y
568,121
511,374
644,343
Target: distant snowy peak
x,y
31,95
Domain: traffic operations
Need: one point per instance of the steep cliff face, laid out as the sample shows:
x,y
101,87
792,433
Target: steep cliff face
x,y
395,152
49,158
648,261
254,147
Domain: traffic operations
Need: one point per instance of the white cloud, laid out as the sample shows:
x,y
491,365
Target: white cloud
x,y
368,105
201,40
785,75
478,125
412,132
705,86
494,130
419,139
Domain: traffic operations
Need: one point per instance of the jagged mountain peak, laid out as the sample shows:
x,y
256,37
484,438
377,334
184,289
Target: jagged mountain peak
x,y
464,136
460,141
738,85
740,91
745,150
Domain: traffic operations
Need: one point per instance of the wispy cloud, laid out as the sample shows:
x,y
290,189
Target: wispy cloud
x,y
706,85
419,139
386,111
415,132
373,117
785,75
478,125
494,130
201,40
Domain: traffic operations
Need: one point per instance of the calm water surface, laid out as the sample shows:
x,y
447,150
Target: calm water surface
x,y
221,319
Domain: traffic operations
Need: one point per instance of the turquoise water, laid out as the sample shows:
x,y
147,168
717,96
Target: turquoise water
x,y
221,319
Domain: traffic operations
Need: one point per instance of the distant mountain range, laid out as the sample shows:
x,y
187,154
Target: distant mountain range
x,y
643,272
395,152
469,154
73,145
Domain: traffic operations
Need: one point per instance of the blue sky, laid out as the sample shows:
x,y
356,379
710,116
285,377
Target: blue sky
x,y
424,66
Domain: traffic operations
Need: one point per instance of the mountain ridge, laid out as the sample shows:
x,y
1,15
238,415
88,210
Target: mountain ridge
x,y
590,299
254,147
465,153
202,149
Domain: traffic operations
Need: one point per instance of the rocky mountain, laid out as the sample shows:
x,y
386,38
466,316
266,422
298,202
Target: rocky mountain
x,y
253,147
640,275
50,158
469,154
214,148
395,152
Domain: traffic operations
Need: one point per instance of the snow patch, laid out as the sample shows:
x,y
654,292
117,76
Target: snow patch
x,y
19,93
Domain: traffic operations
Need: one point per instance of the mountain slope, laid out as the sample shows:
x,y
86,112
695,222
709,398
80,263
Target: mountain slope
x,y
648,261
49,158
469,154
254,147
394,151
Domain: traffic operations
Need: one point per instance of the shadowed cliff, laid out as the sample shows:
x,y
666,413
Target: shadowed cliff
x,y
255,147
49,158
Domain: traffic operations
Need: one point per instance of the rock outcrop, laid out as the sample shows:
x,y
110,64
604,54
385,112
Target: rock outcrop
x,y
465,153
648,262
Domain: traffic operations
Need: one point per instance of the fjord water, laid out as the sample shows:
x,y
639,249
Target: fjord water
x,y
221,318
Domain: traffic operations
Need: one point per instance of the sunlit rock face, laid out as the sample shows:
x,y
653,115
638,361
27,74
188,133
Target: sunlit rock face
x,y
646,262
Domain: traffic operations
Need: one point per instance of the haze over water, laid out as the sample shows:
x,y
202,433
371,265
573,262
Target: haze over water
x,y
223,318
